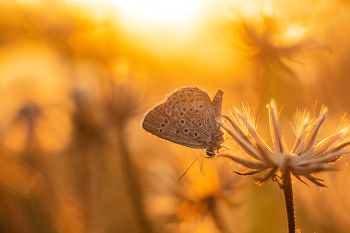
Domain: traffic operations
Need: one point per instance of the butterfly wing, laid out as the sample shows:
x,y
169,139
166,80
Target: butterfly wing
x,y
157,123
191,111
187,117
217,103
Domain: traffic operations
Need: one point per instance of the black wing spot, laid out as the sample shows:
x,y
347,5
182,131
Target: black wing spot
x,y
196,111
181,113
162,125
201,106
186,131
184,109
182,121
161,130
165,121
177,131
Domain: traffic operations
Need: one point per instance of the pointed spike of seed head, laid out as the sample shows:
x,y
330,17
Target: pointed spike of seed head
x,y
344,126
313,130
249,115
301,121
276,129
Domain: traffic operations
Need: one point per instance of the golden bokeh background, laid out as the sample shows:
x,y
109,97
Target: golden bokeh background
x,y
77,77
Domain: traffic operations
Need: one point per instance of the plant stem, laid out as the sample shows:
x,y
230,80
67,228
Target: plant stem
x,y
215,212
133,184
288,199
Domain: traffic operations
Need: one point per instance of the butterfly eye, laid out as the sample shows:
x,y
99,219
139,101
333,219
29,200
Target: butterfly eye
x,y
182,121
186,131
162,125
210,153
161,130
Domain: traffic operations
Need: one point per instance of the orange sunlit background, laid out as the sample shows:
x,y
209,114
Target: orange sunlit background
x,y
76,78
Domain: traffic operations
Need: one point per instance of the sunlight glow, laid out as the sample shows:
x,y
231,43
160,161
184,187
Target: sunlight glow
x,y
159,11
180,15
294,33
252,8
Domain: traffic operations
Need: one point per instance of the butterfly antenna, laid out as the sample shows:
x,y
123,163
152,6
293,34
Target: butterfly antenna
x,y
189,167
202,164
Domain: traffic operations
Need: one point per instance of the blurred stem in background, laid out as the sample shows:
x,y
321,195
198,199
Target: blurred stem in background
x,y
87,153
46,209
122,103
133,182
216,213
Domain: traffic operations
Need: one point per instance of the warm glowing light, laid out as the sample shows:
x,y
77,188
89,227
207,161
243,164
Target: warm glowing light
x,y
252,8
294,33
177,16
160,11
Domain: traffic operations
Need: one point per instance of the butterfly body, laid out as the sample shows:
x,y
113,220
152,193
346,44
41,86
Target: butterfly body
x,y
187,117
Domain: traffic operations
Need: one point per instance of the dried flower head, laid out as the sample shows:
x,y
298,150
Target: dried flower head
x,y
306,158
195,199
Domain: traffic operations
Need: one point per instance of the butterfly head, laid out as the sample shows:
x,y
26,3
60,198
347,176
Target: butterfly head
x,y
210,153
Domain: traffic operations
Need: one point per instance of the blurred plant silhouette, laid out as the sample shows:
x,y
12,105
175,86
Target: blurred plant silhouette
x,y
274,56
76,78
194,200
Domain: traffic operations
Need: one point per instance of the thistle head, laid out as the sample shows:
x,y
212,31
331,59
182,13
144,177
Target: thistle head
x,y
306,158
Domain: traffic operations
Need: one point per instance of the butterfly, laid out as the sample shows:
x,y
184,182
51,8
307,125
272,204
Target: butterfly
x,y
187,117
